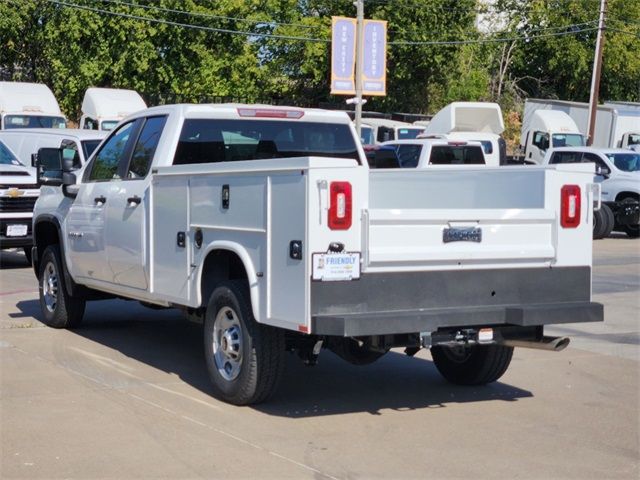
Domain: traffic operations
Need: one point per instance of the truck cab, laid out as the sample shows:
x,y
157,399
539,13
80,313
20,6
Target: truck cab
x,y
424,153
29,105
548,129
103,108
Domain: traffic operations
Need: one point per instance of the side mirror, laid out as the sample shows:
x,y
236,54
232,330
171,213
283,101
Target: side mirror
x,y
48,161
603,171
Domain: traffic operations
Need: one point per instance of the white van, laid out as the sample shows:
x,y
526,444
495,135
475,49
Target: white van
x,y
26,142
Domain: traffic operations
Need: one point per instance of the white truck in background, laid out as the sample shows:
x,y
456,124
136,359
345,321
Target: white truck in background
x,y
29,105
19,191
545,129
266,223
427,153
472,121
103,108
616,122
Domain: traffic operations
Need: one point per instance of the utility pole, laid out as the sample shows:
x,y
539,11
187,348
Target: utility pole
x,y
595,78
359,46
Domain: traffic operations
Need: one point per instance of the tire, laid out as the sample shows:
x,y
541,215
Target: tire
x,y
599,224
475,365
245,360
610,220
632,231
27,254
349,350
59,309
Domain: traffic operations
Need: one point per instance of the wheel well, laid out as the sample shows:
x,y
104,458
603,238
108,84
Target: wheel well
x,y
622,195
220,265
45,234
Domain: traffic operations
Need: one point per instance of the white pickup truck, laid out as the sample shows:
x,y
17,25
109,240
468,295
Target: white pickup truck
x,y
267,224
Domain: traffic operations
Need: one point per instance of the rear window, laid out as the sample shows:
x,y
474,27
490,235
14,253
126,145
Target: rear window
x,y
566,157
456,155
409,133
210,141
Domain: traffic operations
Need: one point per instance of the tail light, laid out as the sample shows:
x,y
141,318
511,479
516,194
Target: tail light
x,y
570,206
340,206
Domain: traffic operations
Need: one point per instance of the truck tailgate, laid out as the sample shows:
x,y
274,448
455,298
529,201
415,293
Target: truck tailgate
x,y
473,217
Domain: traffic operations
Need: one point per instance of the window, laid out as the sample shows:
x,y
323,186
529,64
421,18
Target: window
x,y
634,139
541,140
567,140
89,146
105,163
385,134
409,133
207,141
6,157
627,162
366,136
70,145
566,157
408,155
146,147
456,155
34,121
487,146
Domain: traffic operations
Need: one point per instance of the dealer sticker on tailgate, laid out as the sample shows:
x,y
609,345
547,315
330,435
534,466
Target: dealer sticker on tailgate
x,y
336,266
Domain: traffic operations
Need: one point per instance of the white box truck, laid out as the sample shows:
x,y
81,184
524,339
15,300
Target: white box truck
x,y
29,105
615,121
266,223
544,129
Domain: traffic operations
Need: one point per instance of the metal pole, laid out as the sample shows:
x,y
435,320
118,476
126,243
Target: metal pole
x,y
595,78
359,45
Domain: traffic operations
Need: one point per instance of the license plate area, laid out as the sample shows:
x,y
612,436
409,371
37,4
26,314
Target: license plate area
x,y
335,267
17,230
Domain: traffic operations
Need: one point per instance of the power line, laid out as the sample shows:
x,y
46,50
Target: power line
x,y
187,25
207,15
493,40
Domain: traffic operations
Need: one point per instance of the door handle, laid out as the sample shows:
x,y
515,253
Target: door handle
x,y
135,200
100,200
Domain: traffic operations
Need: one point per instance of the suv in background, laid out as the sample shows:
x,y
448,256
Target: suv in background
x,y
618,170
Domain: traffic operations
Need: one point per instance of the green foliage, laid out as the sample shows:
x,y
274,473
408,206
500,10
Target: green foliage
x,y
73,49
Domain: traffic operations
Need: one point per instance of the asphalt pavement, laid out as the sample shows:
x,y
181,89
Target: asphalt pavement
x,y
127,396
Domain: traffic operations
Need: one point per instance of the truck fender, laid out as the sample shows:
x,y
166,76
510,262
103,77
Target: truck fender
x,y
252,277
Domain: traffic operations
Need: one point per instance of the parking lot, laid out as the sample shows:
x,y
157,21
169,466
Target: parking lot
x,y
127,396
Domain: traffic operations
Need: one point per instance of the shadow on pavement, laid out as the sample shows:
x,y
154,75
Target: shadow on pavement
x,y
13,259
163,340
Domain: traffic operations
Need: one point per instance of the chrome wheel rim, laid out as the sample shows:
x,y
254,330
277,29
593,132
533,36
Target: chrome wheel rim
x,y
50,287
227,343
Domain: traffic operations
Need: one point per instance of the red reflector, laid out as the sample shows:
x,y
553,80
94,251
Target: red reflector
x,y
570,206
303,328
457,144
270,113
340,206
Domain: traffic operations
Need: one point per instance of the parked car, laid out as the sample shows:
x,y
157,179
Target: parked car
x,y
618,171
18,194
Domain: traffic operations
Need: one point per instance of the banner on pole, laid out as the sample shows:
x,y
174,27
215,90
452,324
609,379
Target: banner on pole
x,y
374,52
343,56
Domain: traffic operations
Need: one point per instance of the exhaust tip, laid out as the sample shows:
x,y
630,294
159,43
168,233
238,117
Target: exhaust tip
x,y
561,343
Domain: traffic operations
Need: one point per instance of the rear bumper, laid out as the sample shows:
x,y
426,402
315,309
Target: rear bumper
x,y
396,303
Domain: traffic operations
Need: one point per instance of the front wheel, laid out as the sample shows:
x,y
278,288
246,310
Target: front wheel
x,y
245,360
472,365
59,308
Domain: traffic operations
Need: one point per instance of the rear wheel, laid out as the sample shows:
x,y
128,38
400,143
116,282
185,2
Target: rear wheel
x,y
599,224
245,359
472,365
59,308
